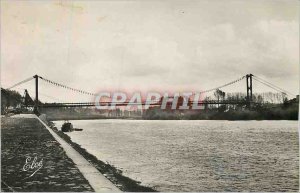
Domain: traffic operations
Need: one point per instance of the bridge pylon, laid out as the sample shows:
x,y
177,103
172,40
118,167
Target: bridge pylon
x,y
249,89
36,104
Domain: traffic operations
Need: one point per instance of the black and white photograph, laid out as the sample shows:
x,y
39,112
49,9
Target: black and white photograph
x,y
149,95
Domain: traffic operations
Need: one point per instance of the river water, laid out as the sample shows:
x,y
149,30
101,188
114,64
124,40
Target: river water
x,y
186,155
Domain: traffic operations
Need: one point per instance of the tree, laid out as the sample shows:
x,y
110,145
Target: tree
x,y
10,99
219,95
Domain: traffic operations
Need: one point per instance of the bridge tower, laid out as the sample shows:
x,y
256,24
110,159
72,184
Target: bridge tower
x,y
249,89
26,98
36,104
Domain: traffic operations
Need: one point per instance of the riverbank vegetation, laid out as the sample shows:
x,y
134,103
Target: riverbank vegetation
x,y
278,112
9,98
263,106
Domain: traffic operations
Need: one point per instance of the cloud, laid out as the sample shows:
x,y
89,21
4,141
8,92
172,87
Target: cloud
x,y
178,44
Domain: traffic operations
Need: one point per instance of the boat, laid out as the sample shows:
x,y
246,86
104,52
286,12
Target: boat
x,y
67,127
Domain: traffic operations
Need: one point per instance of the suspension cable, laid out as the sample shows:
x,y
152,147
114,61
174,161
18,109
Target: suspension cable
x,y
230,83
26,80
285,91
93,94
67,87
272,87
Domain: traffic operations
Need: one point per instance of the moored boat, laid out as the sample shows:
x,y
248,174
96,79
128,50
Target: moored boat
x,y
67,127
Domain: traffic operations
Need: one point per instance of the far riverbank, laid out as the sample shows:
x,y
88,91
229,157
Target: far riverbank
x,y
278,112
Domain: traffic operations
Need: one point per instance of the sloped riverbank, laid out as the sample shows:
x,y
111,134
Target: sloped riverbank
x,y
112,173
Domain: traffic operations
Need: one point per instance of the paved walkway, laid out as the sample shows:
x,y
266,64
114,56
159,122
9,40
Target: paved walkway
x,y
63,168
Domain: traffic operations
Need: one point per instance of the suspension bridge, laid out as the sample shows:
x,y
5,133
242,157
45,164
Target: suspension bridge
x,y
247,101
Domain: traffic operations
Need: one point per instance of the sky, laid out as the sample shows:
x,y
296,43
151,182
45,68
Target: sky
x,y
168,45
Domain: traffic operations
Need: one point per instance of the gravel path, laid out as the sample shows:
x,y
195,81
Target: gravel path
x,y
27,139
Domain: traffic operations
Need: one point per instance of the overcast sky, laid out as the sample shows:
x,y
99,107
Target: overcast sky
x,y
150,45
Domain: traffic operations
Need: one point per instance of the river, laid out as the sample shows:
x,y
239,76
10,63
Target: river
x,y
198,155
